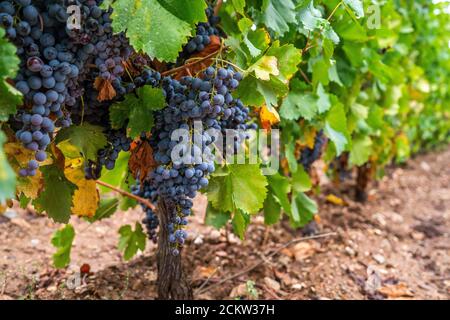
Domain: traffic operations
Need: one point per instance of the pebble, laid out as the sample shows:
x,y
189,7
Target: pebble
x,y
10,214
273,284
350,251
379,258
215,234
198,240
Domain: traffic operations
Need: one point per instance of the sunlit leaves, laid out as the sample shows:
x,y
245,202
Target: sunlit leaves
x,y
336,128
158,27
63,240
131,241
88,139
7,175
137,110
9,65
240,187
277,15
56,197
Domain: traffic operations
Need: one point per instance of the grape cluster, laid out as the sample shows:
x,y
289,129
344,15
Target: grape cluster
x,y
106,157
55,62
151,221
207,99
309,156
202,37
96,112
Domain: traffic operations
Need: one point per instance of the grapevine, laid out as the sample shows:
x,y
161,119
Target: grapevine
x,y
100,96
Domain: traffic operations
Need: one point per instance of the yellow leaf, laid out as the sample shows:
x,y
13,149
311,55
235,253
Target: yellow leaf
x,y
335,200
266,66
86,198
268,117
310,138
18,157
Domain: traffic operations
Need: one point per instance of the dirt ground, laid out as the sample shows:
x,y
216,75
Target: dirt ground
x,y
396,246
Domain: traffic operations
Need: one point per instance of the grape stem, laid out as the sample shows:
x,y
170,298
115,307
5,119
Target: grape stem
x,y
145,202
188,65
217,7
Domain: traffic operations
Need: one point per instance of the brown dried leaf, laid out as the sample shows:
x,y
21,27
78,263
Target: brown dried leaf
x,y
141,160
273,284
105,89
204,272
303,250
195,68
399,290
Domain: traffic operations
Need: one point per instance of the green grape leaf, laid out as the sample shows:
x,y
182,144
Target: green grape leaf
x,y
356,6
277,15
272,210
131,241
288,57
239,6
311,20
87,138
106,209
336,128
320,71
298,105
280,188
290,155
9,99
216,218
361,150
24,201
138,110
323,103
63,240
121,178
256,92
56,198
7,175
241,220
301,181
240,187
192,13
157,27
303,209
9,65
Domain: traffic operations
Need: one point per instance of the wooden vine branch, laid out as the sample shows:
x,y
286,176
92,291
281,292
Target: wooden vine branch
x,y
217,7
188,65
127,194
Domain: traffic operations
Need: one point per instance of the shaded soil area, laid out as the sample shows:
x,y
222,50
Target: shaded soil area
x,y
395,246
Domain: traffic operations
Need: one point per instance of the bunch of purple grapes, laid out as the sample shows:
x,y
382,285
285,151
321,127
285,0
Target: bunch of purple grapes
x,y
97,113
106,157
55,62
309,156
151,220
202,37
209,101
46,69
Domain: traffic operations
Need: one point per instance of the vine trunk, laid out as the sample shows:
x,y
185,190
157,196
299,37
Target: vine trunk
x,y
172,282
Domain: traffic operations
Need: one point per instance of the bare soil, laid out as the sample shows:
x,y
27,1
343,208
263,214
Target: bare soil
x,y
395,246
